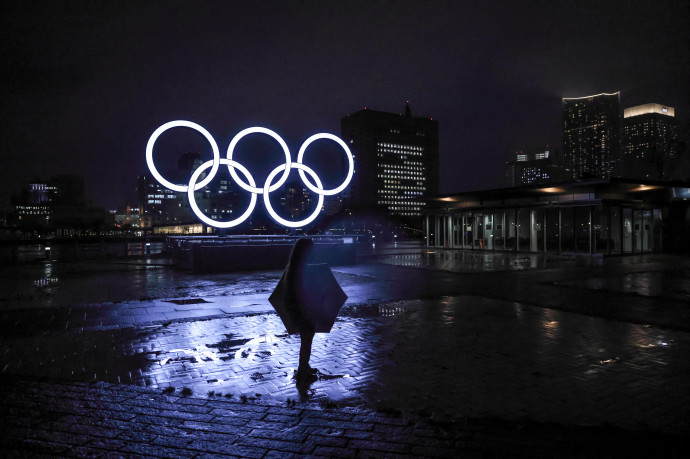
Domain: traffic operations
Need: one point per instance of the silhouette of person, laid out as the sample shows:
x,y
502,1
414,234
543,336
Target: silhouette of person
x,y
297,283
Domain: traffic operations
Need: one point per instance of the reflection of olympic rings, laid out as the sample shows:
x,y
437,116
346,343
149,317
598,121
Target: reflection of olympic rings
x,y
268,187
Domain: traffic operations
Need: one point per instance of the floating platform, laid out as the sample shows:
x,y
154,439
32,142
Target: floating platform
x,y
208,254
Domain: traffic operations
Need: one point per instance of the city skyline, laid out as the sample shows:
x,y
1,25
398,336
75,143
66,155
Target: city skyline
x,y
88,84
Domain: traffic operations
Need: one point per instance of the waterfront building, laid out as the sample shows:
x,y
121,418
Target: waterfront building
x,y
592,217
39,200
57,206
396,161
649,141
591,127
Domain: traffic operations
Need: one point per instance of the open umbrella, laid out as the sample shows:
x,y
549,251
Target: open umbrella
x,y
319,301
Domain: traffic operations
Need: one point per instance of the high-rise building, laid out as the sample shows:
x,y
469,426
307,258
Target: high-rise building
x,y
591,126
539,165
649,141
396,160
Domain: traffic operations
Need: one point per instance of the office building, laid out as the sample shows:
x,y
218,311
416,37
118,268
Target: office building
x,y
539,165
396,161
649,141
591,127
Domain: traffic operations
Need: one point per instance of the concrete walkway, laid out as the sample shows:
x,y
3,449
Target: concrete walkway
x,y
534,354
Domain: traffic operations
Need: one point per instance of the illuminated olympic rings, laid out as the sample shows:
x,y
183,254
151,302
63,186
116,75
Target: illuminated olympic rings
x,y
251,187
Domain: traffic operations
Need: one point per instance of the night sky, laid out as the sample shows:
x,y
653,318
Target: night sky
x,y
86,83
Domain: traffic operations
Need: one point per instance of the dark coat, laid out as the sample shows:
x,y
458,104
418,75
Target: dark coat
x,y
297,282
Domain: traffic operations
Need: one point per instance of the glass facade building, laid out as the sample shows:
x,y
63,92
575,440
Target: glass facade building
x,y
649,141
596,217
591,126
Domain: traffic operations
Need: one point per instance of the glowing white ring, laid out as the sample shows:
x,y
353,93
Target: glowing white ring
x,y
195,207
350,170
196,127
252,188
286,150
267,201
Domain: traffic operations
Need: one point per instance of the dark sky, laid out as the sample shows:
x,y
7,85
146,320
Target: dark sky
x,y
86,83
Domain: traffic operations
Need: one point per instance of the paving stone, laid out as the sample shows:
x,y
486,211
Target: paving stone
x,y
318,422
239,427
276,445
185,415
157,420
174,442
227,448
149,450
281,455
287,435
213,437
108,444
331,451
327,440
378,446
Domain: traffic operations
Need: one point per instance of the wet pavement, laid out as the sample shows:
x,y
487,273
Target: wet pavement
x,y
444,336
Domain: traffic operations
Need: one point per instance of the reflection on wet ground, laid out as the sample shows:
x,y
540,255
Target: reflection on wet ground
x,y
76,250
666,284
415,340
467,261
74,283
461,356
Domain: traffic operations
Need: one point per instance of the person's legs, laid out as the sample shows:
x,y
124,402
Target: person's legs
x,y
306,338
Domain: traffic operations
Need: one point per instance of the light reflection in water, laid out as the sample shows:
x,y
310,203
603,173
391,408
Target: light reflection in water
x,y
518,308
550,323
47,280
646,337
447,312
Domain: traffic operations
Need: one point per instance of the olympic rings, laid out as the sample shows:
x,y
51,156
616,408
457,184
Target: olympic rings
x,y
197,211
196,127
301,167
251,187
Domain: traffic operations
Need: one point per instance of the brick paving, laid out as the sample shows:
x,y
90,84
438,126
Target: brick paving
x,y
71,419
563,367
488,356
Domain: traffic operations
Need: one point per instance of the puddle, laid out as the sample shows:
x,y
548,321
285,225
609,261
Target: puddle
x,y
188,301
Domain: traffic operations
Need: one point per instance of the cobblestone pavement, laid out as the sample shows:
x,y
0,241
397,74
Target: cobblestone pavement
x,y
520,345
104,420
458,356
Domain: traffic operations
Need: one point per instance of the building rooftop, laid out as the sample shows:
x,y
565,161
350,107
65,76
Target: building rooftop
x,y
647,109
607,188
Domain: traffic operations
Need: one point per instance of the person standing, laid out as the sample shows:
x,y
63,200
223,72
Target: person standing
x,y
297,284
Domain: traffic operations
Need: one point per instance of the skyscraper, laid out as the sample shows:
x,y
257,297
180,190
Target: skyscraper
x,y
396,160
649,141
591,126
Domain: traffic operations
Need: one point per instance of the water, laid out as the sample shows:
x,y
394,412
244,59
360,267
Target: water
x,y
62,251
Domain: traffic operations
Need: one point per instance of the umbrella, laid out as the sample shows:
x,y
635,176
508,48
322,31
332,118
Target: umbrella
x,y
319,302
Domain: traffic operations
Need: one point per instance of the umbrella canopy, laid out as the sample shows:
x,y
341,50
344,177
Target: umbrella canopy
x,y
318,301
